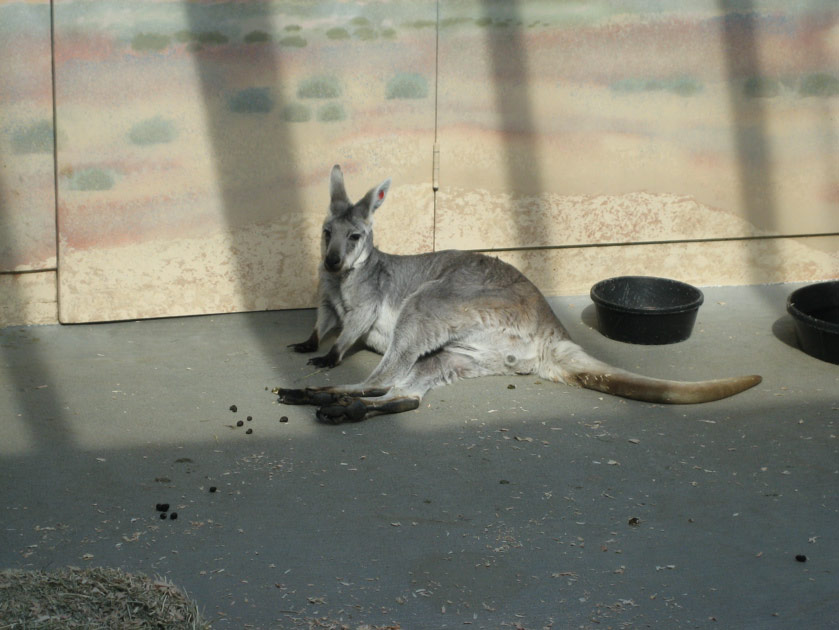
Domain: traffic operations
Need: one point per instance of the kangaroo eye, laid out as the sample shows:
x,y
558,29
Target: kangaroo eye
x,y
355,236
327,233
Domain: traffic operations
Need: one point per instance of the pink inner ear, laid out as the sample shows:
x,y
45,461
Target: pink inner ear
x,y
381,194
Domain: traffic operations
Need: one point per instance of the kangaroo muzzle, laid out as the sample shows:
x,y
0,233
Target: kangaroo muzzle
x,y
332,262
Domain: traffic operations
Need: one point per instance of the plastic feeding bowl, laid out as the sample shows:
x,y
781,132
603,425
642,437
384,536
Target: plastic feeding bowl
x,y
815,309
644,309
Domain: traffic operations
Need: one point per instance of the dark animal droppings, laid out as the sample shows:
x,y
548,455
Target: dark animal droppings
x,y
284,419
162,507
163,516
240,423
173,516
801,558
249,431
213,488
233,408
250,418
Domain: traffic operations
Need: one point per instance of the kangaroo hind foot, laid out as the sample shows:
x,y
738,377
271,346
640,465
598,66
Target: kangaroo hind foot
x,y
356,409
321,396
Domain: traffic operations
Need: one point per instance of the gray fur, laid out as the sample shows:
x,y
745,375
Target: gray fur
x,y
441,316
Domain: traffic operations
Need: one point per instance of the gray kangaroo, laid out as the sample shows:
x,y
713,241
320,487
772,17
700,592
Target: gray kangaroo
x,y
441,316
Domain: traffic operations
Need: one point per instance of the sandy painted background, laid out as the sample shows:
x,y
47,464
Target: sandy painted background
x,y
194,142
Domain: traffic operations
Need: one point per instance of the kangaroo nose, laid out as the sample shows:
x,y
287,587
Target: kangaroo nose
x,y
333,261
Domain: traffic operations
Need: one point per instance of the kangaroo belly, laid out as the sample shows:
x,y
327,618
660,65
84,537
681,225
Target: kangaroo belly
x,y
500,352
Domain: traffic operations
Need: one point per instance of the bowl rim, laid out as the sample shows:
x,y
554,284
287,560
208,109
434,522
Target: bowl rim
x,y
801,316
692,305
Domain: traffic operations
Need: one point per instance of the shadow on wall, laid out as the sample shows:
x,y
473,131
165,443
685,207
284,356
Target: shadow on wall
x,y
509,66
247,134
749,126
828,142
755,161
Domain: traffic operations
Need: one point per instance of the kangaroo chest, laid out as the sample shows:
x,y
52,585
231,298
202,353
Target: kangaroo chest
x,y
380,335
372,315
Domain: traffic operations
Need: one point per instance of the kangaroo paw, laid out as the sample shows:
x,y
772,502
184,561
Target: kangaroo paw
x,y
355,411
329,360
310,345
303,346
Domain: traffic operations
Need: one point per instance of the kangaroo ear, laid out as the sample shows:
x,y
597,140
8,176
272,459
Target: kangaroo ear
x,y
376,197
337,192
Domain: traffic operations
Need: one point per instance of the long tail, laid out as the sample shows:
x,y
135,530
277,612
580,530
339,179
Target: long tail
x,y
575,367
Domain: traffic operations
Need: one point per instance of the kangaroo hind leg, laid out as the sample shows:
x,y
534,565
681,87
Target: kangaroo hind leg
x,y
428,322
440,368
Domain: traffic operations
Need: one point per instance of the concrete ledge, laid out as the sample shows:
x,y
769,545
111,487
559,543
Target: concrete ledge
x,y
28,298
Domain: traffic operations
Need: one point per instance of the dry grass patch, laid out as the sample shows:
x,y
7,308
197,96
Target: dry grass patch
x,y
93,599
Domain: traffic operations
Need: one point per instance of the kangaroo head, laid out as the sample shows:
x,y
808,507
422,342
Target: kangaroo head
x,y
348,229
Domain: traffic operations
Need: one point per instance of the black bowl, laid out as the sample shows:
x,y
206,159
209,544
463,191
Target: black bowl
x,y
645,309
815,309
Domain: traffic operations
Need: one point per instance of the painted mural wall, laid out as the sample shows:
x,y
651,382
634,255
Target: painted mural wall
x,y
195,138
578,123
731,103
27,193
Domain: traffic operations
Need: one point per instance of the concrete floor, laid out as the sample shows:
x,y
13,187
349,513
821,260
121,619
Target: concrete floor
x,y
537,506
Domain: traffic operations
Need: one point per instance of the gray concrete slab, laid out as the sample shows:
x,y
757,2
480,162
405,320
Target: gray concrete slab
x,y
538,506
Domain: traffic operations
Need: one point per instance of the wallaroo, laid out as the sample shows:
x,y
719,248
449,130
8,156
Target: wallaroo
x,y
442,316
